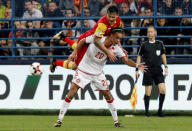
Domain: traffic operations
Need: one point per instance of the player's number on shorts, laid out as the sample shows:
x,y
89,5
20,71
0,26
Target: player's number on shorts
x,y
99,55
104,82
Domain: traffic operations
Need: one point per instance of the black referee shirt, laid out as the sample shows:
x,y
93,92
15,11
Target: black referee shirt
x,y
151,53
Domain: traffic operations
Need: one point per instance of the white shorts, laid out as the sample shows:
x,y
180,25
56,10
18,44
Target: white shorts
x,y
98,82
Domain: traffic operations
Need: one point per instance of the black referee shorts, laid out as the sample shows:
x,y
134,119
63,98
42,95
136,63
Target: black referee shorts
x,y
153,74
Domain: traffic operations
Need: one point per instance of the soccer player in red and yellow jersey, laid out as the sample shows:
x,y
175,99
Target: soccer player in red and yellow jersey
x,y
102,28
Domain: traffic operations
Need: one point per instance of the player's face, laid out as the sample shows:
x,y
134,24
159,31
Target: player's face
x,y
151,33
112,17
116,38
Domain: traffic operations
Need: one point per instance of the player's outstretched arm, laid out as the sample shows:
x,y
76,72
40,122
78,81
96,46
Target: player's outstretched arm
x,y
110,54
74,53
131,63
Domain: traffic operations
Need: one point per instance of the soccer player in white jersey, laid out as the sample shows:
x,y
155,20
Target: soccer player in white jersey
x,y
90,70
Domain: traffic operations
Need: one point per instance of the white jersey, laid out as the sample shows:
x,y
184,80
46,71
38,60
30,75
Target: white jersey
x,y
94,59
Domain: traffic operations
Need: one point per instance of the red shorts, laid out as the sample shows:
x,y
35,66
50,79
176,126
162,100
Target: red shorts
x,y
81,52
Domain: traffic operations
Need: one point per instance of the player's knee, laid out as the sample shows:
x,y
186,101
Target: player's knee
x,y
107,95
73,91
162,91
162,88
148,92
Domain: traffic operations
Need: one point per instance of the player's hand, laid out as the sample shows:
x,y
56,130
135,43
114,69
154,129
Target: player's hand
x,y
142,67
137,75
111,56
166,71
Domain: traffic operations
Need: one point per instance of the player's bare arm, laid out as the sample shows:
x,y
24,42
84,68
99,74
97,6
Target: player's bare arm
x,y
131,63
110,54
164,59
74,53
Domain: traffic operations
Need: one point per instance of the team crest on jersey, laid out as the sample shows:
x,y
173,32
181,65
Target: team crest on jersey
x,y
158,52
78,80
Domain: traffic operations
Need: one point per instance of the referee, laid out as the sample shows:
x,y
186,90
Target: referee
x,y
152,51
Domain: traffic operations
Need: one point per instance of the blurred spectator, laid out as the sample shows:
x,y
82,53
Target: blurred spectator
x,y
144,4
29,43
145,23
17,34
17,26
167,8
36,5
162,31
134,32
186,7
77,6
187,32
2,10
66,4
7,24
53,11
8,4
47,34
87,24
19,8
32,13
94,7
2,33
162,22
125,11
177,31
4,52
87,12
70,24
134,6
103,11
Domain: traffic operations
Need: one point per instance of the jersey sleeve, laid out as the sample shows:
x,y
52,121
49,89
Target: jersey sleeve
x,y
119,52
89,39
100,30
141,50
162,49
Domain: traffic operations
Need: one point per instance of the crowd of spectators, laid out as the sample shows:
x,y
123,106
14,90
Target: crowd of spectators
x,y
72,8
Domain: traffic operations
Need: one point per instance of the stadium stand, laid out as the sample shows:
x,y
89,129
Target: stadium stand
x,y
26,28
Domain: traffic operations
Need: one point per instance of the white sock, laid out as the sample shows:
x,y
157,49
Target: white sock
x,y
63,109
113,110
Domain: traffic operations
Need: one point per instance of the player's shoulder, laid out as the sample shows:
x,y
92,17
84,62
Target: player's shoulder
x,y
144,43
159,42
103,19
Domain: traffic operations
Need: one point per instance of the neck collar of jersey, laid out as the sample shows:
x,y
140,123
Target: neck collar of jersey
x,y
151,41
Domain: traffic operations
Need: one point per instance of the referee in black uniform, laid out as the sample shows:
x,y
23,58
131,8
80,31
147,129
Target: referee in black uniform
x,y
152,52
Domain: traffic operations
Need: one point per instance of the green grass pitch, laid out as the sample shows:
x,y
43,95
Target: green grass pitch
x,y
94,123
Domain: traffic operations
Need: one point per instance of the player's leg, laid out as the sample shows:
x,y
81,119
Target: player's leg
x,y
162,91
72,92
159,80
147,99
80,55
147,82
111,107
100,83
62,63
62,36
